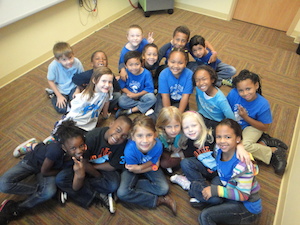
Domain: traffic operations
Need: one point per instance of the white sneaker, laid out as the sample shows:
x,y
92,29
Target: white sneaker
x,y
181,180
169,170
24,148
149,112
111,201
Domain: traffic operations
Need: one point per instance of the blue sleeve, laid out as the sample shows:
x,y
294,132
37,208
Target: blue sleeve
x,y
188,87
163,51
163,85
122,83
122,54
129,153
156,151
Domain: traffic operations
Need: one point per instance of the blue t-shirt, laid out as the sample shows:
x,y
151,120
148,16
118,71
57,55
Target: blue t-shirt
x,y
214,108
62,76
258,109
138,83
134,156
205,59
169,84
125,50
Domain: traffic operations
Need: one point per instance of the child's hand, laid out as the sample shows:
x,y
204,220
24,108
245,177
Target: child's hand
x,y
212,58
132,95
123,74
242,111
61,101
206,192
78,167
150,38
133,168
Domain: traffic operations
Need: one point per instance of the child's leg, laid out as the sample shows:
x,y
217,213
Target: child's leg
x,y
250,137
10,181
62,110
224,72
107,183
166,161
146,102
114,101
64,181
126,102
46,189
229,212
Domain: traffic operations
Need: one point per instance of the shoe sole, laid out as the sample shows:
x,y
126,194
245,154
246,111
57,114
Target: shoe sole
x,y
112,209
17,153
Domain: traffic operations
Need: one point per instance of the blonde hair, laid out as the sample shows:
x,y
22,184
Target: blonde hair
x,y
96,76
164,118
62,48
134,26
206,134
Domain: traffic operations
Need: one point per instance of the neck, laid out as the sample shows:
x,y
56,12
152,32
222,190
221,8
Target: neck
x,y
226,156
212,91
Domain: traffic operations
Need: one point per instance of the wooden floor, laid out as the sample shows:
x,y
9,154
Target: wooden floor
x,y
26,111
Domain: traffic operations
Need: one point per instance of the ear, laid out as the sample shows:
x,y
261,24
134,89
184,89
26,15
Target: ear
x,y
94,81
63,148
238,140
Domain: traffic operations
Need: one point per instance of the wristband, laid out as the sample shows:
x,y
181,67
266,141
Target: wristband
x,y
154,167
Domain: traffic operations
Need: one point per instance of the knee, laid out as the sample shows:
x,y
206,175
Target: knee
x,y
4,185
163,189
185,164
122,193
49,191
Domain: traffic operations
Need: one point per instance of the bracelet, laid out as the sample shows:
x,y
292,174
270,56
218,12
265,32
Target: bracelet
x,y
154,167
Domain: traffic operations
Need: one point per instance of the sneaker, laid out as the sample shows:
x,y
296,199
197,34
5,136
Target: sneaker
x,y
149,112
181,180
169,170
121,112
108,202
227,82
49,140
24,148
9,209
62,197
49,92
197,204
278,160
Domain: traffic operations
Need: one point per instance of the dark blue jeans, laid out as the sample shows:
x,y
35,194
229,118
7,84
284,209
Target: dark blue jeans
x,y
229,212
142,191
11,182
63,110
107,183
198,174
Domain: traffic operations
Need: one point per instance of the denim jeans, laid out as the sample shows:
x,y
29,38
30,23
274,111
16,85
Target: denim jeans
x,y
11,183
197,173
229,212
144,103
144,190
68,97
105,184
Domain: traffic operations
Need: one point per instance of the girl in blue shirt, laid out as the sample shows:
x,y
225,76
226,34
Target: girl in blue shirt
x,y
212,103
253,113
142,154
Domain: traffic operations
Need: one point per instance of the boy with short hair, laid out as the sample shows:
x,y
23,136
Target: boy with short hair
x,y
136,42
138,89
95,176
60,73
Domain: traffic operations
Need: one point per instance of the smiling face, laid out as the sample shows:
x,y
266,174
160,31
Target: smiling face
x,y
150,56
66,62
118,132
179,40
198,51
99,59
173,128
191,128
104,84
74,147
134,66
203,81
144,138
226,138
134,37
247,89
177,63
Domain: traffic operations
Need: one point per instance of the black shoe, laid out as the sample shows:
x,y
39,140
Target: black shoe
x,y
197,204
278,160
9,210
272,142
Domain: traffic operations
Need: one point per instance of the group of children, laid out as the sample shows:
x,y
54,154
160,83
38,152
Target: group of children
x,y
90,164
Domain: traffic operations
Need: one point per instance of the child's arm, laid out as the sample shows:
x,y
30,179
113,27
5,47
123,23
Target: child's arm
x,y
166,100
184,102
79,174
104,166
133,95
123,74
89,168
243,155
61,100
254,123
105,110
214,56
143,168
47,170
